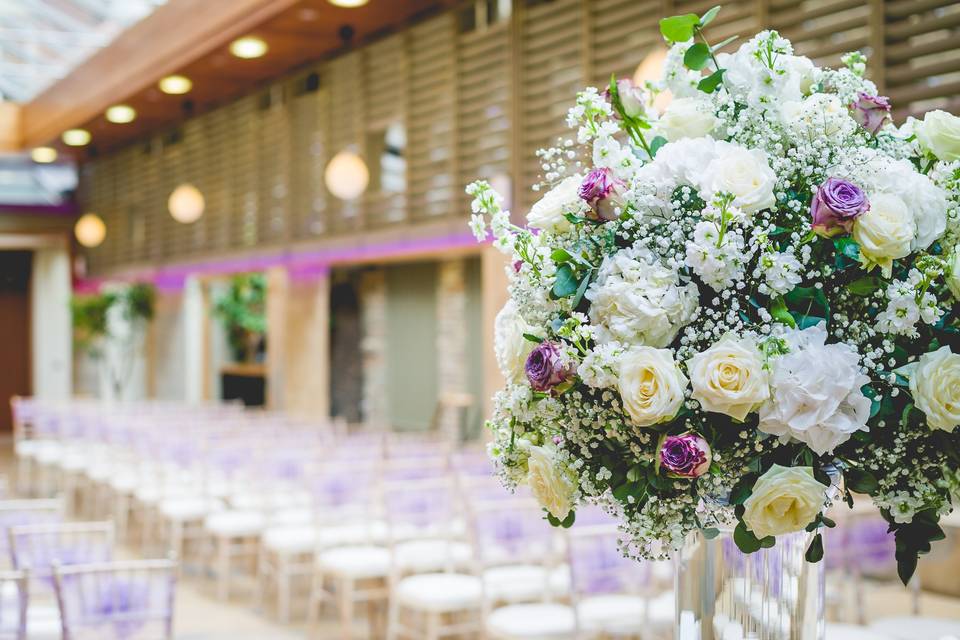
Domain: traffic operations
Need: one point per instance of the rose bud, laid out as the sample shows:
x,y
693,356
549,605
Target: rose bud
x,y
685,456
870,111
546,367
602,191
632,98
835,205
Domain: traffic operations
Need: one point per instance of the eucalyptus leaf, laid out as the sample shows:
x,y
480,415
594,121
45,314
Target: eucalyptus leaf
x,y
814,552
745,540
711,82
566,283
655,145
697,56
679,28
708,17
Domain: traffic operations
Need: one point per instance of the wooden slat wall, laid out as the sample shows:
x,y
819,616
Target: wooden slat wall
x,y
475,98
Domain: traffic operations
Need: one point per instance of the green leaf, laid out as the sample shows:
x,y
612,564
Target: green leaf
x,y
723,43
778,309
679,28
581,289
533,338
860,481
655,145
560,255
708,17
711,82
566,283
697,56
864,286
567,522
635,473
710,533
814,552
745,540
740,492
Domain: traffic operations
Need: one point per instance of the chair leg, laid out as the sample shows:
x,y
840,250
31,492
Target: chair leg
x,y
433,627
223,568
345,604
282,579
393,620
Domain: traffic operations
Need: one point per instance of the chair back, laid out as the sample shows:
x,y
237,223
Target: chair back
x,y
130,600
511,531
38,548
13,605
598,567
15,513
421,509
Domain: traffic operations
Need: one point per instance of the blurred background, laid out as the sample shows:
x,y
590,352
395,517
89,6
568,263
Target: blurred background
x,y
261,202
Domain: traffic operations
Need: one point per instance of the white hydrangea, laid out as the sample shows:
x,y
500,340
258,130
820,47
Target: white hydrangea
x,y
638,300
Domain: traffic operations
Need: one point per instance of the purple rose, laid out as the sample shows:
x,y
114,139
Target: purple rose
x,y
602,190
546,367
835,205
685,456
632,97
870,111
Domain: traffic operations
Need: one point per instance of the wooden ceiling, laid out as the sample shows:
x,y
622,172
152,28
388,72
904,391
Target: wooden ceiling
x,y
192,38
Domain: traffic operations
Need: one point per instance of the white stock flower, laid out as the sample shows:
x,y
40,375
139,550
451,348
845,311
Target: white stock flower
x,y
638,300
687,118
784,500
751,80
509,345
939,133
781,271
718,266
600,366
548,212
815,392
551,486
821,115
651,385
885,232
743,172
935,387
729,377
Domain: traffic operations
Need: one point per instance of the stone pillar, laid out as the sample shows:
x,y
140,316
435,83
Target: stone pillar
x,y
493,265
195,341
452,338
306,385
373,311
278,343
51,327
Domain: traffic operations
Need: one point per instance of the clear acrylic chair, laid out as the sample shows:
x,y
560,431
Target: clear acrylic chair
x,y
130,600
24,512
37,548
13,605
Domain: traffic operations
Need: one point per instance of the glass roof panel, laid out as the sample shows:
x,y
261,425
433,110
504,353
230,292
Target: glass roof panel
x,y
41,41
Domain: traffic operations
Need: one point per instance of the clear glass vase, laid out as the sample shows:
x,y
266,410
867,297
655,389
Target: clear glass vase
x,y
725,594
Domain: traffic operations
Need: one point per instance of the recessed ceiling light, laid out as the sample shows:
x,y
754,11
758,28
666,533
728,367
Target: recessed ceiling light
x,y
121,114
350,4
76,137
44,155
176,85
248,47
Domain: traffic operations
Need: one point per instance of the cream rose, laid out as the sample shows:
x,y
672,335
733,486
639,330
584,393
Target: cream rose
x,y
939,133
784,500
953,278
651,385
935,387
509,345
885,232
686,118
743,172
548,212
550,485
729,378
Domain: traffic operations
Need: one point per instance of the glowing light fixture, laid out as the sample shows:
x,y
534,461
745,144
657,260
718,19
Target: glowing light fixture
x,y
346,175
650,70
90,230
186,204
121,114
350,4
176,85
76,137
44,155
248,47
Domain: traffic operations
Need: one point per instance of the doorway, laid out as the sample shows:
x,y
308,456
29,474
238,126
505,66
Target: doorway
x,y
15,268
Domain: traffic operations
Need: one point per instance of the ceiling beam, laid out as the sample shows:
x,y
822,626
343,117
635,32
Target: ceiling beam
x,y
174,35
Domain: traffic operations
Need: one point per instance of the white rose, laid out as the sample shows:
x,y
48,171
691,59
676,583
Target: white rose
x,y
743,172
551,486
784,500
548,212
935,387
939,133
651,385
953,278
686,118
509,345
815,392
885,232
729,378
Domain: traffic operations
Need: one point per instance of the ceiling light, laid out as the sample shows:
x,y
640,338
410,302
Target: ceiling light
x,y
248,47
44,155
76,137
121,114
90,230
346,175
176,85
186,204
350,4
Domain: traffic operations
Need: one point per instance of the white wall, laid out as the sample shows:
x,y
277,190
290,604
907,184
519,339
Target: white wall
x,y
51,326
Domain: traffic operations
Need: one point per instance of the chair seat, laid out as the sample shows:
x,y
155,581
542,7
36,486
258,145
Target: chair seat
x,y
48,453
424,556
29,448
235,523
525,582
375,532
623,614
440,592
292,516
837,631
916,628
290,540
364,561
43,622
184,509
542,621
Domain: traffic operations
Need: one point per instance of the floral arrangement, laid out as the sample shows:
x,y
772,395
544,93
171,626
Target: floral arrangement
x,y
720,310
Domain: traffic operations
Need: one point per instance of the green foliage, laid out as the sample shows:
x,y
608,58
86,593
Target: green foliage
x,y
679,28
242,311
89,313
